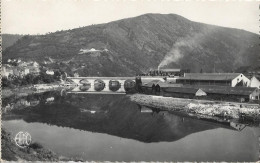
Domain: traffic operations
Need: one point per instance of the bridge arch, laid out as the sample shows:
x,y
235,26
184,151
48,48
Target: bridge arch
x,y
114,85
99,85
84,87
84,81
129,84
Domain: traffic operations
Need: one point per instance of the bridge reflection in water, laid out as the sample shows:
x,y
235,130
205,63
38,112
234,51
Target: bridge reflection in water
x,y
101,85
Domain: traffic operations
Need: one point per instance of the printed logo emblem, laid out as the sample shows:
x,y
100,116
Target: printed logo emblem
x,y
23,139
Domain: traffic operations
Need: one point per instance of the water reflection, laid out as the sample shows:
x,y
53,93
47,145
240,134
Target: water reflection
x,y
118,117
114,115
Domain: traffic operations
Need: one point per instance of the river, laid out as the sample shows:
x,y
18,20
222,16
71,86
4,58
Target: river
x,y
112,128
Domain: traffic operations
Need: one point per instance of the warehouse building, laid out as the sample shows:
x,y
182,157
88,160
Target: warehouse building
x,y
226,93
183,92
221,79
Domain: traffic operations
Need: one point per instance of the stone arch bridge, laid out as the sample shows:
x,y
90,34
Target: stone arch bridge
x,y
100,85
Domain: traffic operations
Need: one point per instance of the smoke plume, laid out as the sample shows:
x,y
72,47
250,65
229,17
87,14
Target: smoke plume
x,y
175,53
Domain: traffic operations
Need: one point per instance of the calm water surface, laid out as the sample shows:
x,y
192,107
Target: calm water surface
x,y
112,128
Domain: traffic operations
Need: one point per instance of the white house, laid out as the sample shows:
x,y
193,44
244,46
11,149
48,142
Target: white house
x,y
200,93
26,71
6,71
240,78
254,82
83,51
50,72
50,99
35,64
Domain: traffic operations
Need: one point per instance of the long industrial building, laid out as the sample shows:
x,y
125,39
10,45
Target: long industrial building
x,y
214,86
222,79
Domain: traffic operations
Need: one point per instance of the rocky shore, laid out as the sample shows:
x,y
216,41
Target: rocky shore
x,y
203,107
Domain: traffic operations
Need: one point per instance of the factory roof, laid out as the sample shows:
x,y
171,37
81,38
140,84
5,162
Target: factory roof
x,y
209,76
182,90
225,89
168,70
160,83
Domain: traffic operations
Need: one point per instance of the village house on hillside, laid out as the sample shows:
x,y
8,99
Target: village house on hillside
x,y
50,72
83,51
7,70
21,69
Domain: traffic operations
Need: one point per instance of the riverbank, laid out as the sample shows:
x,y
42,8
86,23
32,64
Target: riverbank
x,y
30,89
230,110
34,152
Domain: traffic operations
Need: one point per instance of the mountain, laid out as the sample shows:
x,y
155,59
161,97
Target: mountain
x,y
135,45
9,40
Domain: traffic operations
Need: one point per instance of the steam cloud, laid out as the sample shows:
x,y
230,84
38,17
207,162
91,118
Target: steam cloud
x,y
175,53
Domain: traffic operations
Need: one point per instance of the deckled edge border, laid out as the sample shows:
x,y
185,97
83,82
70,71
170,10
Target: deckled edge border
x,y
92,161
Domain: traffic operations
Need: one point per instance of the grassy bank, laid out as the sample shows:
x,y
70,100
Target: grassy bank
x,y
203,107
35,152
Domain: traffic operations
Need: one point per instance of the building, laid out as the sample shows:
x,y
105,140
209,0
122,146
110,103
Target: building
x,y
21,71
26,71
165,72
221,79
6,71
254,82
83,51
16,71
33,70
183,92
22,64
35,64
227,93
50,72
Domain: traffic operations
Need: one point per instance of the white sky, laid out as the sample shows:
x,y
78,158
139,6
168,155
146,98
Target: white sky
x,y
42,16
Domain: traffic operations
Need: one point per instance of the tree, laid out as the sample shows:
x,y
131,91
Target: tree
x,y
5,82
29,78
57,75
17,81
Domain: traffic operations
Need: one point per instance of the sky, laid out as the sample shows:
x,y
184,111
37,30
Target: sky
x,y
42,16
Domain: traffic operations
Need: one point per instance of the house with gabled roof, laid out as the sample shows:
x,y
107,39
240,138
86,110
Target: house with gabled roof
x,y
254,82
